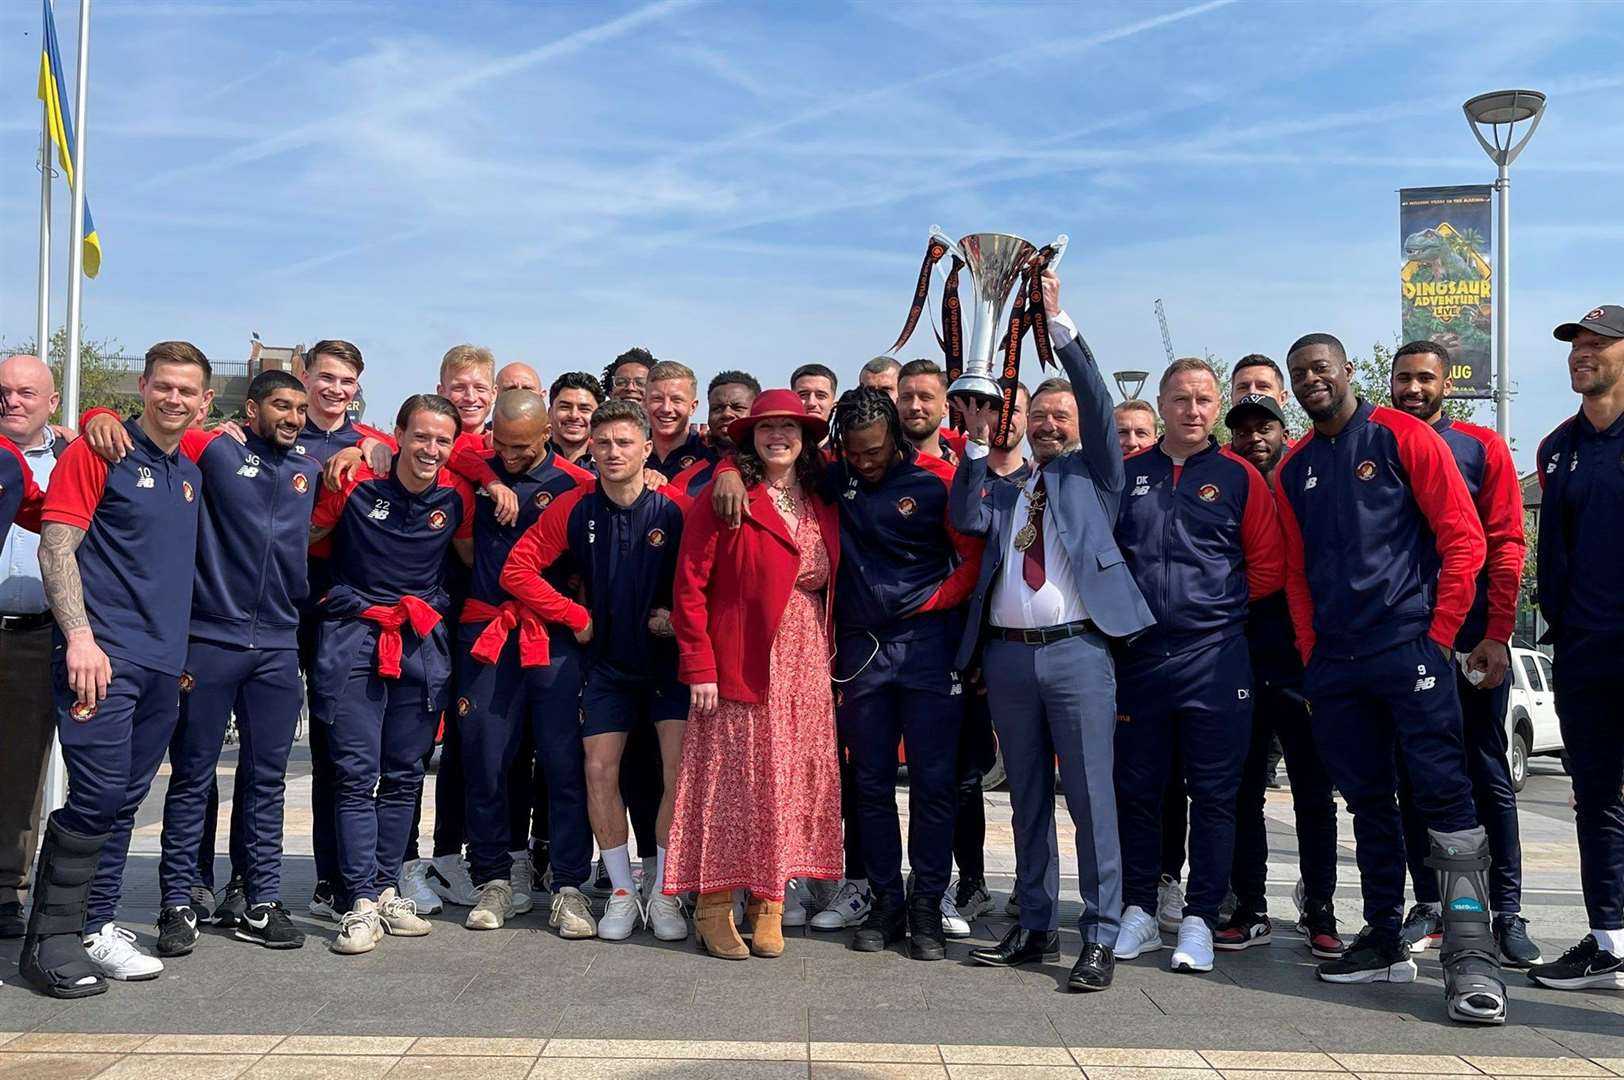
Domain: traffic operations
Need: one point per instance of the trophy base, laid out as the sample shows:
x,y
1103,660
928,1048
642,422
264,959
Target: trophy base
x,y
976,386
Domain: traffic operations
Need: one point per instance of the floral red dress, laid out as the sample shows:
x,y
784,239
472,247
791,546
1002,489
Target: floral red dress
x,y
758,797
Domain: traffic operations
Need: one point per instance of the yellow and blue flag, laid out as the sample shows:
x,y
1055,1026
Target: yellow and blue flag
x,y
53,91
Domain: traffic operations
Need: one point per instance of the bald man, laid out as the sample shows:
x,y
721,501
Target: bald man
x,y
517,376
27,719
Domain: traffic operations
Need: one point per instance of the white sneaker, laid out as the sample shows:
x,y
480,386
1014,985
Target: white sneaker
x,y
1169,904
620,916
399,916
521,879
1194,952
954,925
414,886
1299,897
1138,934
495,906
796,897
571,914
359,930
848,908
664,916
448,877
112,949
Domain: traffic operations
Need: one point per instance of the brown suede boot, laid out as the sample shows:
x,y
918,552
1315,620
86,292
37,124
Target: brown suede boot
x,y
766,927
714,929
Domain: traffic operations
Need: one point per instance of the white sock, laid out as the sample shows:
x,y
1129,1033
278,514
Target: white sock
x,y
619,865
1611,940
659,872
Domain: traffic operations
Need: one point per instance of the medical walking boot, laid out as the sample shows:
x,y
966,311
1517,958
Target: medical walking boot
x,y
1473,985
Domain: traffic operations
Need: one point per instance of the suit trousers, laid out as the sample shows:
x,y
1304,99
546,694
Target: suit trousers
x,y
1059,701
29,726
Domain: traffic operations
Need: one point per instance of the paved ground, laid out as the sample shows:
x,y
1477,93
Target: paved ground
x,y
520,1002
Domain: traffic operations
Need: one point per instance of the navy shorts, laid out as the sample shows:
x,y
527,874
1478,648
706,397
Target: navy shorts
x,y
610,706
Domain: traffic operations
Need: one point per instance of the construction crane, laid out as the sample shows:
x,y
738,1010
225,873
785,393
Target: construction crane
x,y
1167,339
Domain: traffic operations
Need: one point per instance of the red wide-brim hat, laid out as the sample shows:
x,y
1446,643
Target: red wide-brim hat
x,y
771,404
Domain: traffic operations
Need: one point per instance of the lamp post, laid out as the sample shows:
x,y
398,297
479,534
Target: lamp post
x,y
1490,112
1125,379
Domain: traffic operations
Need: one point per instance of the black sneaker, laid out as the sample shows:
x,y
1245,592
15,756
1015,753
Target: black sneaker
x,y
177,931
1242,930
12,923
324,901
1317,925
1517,949
269,925
233,903
972,899
926,938
1423,927
886,924
1376,956
1586,964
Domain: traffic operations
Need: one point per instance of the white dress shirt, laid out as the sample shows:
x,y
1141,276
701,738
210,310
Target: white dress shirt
x,y
22,590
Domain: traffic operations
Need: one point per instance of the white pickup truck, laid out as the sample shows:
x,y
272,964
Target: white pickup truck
x,y
1531,726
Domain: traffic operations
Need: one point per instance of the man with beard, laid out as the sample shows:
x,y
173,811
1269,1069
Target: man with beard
x,y
1419,384
1383,547
922,404
1053,589
242,658
1257,430
1581,594
117,555
571,401
730,395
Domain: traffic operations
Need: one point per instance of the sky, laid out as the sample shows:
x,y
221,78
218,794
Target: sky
x,y
750,186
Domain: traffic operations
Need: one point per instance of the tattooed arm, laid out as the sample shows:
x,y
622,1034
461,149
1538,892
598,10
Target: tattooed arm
x,y
89,671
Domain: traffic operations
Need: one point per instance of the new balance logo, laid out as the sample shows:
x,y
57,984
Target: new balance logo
x,y
1425,683
1312,482
1141,485
380,510
143,477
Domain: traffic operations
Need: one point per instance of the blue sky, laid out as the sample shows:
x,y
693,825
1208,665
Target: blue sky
x,y
750,185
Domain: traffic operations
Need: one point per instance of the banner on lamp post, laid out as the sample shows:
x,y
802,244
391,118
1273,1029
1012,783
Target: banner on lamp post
x,y
1446,237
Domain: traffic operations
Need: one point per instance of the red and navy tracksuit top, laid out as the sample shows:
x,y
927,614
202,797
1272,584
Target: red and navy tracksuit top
x,y
1485,464
20,498
389,548
626,557
1383,543
252,540
1581,521
693,452
138,557
1202,540
320,446
488,603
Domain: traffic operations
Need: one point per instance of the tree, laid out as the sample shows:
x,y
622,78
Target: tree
x,y
101,373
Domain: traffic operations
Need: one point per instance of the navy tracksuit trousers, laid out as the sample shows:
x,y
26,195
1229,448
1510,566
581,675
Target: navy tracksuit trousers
x,y
503,701
1588,706
262,687
1283,712
1484,738
111,758
323,821
1369,710
1199,701
908,692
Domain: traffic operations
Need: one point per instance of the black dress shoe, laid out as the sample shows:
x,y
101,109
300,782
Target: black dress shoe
x,y
887,924
1021,946
926,940
11,920
1093,969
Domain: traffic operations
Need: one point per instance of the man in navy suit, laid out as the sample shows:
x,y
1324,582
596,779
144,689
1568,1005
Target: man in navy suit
x,y
1053,590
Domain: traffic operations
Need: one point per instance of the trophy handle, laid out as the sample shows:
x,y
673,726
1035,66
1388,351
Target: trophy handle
x,y
936,233
1059,246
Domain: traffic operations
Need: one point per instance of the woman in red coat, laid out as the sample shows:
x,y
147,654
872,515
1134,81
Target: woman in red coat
x,y
758,798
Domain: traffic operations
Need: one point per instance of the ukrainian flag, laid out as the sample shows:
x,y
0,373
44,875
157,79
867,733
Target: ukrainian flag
x,y
53,91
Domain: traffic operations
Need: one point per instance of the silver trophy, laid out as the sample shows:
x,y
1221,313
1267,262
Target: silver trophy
x,y
995,262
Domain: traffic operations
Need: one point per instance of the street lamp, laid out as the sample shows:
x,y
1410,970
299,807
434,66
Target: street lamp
x,y
1125,379
1490,112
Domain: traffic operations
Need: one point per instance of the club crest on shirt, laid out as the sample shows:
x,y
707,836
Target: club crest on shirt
x,y
1366,469
143,477
186,490
1208,493
82,710
687,460
437,519
656,538
543,499
187,682
906,506
463,706
301,483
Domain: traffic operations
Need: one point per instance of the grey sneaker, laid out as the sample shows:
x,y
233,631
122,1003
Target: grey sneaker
x,y
494,908
1169,904
571,914
359,930
399,916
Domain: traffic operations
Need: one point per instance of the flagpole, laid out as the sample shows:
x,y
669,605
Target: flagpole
x,y
42,328
76,248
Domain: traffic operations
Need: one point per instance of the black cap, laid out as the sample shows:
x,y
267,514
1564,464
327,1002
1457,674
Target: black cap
x,y
1607,320
1255,403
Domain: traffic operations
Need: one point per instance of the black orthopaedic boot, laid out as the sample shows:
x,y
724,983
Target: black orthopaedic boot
x,y
926,940
1473,987
53,956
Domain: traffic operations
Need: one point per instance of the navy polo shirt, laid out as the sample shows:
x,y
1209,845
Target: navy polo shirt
x,y
138,557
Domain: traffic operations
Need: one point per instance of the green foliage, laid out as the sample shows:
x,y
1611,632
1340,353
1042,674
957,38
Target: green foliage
x,y
100,372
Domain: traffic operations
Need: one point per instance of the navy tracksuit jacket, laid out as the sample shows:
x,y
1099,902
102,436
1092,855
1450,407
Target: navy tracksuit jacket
x,y
1383,547
1581,595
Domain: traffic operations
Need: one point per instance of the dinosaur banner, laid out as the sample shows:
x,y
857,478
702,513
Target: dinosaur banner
x,y
1446,235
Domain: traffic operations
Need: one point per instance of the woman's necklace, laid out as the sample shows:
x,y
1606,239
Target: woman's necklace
x,y
786,498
